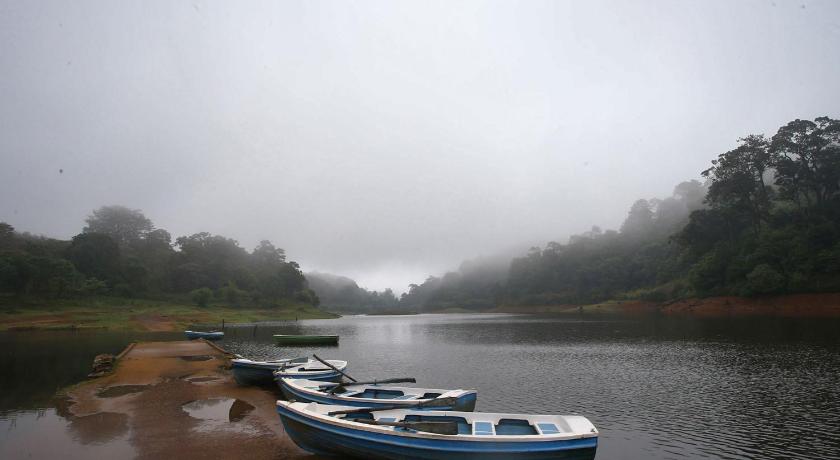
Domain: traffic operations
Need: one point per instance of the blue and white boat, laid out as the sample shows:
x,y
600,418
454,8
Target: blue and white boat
x,y
311,370
213,335
250,372
373,395
479,435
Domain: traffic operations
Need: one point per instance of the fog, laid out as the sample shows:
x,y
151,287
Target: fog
x,y
387,141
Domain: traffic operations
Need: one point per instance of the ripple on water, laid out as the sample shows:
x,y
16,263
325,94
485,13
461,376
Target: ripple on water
x,y
655,389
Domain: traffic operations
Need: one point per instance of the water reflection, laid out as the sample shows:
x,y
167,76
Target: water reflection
x,y
46,434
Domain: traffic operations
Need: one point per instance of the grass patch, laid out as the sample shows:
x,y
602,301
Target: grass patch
x,y
137,315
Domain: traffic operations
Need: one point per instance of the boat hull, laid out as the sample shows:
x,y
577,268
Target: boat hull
x,y
325,376
253,375
306,339
327,439
464,403
192,335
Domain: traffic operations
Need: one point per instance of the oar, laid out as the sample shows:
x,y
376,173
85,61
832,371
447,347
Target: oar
x,y
429,427
332,367
336,387
437,402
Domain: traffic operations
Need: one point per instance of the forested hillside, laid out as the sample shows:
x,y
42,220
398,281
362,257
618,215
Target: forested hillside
x,y
121,253
766,221
339,293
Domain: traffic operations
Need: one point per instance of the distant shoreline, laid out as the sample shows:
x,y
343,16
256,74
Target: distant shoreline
x,y
822,305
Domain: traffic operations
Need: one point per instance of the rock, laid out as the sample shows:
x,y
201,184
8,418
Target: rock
x,y
102,364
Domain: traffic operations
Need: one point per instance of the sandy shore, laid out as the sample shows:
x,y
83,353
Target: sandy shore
x,y
146,396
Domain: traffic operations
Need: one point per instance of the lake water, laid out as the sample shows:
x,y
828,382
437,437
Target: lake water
x,y
655,388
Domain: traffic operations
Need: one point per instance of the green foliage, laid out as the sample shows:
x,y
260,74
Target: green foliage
x,y
123,225
760,238
201,296
95,255
764,279
120,253
232,294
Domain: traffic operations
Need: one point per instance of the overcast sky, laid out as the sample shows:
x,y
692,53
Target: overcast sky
x,y
388,141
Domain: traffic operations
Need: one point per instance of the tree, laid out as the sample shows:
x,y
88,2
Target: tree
x,y
7,235
201,296
737,180
764,279
266,254
639,219
95,255
806,155
126,226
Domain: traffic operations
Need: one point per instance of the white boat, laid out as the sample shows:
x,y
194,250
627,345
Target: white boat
x,y
372,394
312,370
251,372
411,434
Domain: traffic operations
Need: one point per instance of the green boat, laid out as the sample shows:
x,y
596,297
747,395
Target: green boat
x,y
283,339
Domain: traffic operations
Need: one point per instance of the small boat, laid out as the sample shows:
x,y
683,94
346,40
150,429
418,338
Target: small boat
x,y
250,372
213,335
373,395
311,370
283,339
410,434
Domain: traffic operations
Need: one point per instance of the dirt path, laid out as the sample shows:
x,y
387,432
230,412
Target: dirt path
x,y
146,394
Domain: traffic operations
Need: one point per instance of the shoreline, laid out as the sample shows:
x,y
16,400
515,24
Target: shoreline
x,y
140,316
825,305
159,397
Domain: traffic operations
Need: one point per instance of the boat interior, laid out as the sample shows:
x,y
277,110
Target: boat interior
x,y
502,426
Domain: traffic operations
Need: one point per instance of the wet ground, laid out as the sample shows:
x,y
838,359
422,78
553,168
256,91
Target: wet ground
x,y
165,400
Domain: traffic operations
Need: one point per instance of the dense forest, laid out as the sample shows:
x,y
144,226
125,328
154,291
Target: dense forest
x,y
121,253
766,221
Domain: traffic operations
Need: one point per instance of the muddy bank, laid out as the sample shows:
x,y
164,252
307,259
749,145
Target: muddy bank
x,y
178,400
796,305
789,306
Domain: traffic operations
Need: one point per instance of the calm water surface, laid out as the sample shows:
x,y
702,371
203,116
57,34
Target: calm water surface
x,y
657,389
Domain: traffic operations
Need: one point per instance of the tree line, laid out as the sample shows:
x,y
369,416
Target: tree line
x,y
121,253
766,221
342,294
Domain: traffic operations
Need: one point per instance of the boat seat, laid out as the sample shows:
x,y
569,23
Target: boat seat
x,y
348,393
483,428
429,395
359,416
386,419
512,426
404,397
463,426
378,394
547,428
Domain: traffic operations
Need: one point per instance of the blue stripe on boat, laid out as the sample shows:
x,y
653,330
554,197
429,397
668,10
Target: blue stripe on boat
x,y
327,439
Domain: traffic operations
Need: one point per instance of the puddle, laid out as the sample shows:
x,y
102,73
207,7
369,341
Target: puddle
x,y
196,358
46,434
219,413
202,379
120,390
